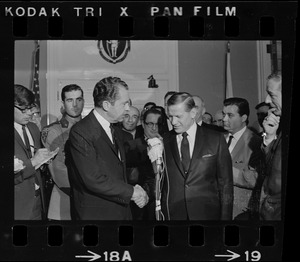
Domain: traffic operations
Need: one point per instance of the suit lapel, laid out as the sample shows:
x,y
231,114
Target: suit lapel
x,y
19,140
240,144
175,152
34,136
102,132
199,139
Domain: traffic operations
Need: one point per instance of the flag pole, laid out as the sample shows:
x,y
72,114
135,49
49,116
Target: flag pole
x,y
34,85
228,88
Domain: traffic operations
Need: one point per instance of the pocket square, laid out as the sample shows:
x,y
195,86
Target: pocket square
x,y
207,155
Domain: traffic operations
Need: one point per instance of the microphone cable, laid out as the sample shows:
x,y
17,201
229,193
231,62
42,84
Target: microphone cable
x,y
168,186
159,187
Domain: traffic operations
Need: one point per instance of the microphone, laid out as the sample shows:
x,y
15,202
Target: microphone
x,y
158,164
155,153
158,159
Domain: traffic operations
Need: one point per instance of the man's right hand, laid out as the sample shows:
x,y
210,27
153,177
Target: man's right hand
x,y
39,157
139,196
271,124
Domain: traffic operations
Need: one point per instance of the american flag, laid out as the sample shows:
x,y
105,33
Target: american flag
x,y
35,88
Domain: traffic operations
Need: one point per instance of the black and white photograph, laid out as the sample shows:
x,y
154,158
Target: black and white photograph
x,y
147,130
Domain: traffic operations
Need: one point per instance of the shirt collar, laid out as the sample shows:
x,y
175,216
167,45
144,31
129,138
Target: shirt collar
x,y
17,125
239,133
200,122
103,122
191,131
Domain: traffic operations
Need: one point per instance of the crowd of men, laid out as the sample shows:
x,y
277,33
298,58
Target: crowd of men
x,y
102,167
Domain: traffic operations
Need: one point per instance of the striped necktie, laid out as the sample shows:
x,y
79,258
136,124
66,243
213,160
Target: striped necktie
x,y
26,139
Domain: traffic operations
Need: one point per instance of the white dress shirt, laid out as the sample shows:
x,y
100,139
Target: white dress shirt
x,y
105,124
200,123
191,138
18,128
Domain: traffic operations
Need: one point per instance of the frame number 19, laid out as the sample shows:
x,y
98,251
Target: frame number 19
x,y
253,256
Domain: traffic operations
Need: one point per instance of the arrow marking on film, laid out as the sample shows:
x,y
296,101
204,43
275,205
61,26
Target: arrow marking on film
x,y
92,257
231,256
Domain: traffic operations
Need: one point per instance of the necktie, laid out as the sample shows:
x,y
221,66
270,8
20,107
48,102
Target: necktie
x,y
112,129
26,139
185,152
229,140
27,144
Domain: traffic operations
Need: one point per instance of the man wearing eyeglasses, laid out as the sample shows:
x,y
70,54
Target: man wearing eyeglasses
x,y
29,193
136,156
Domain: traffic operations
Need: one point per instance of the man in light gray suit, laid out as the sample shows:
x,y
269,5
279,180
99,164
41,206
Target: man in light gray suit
x,y
244,147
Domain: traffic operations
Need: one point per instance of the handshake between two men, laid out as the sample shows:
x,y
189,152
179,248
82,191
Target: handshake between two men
x,y
139,196
155,149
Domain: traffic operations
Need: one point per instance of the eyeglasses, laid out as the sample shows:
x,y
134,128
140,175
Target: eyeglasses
x,y
26,109
151,125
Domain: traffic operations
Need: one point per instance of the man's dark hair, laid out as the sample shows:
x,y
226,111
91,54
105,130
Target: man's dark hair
x,y
152,111
69,88
242,105
261,105
162,128
163,119
180,97
107,89
23,96
149,104
206,113
169,93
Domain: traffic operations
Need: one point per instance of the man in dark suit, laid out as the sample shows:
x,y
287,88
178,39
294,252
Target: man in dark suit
x,y
130,121
130,131
198,183
271,193
29,192
136,157
97,172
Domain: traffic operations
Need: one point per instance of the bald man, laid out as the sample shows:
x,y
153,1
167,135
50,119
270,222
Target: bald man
x,y
130,121
271,191
200,107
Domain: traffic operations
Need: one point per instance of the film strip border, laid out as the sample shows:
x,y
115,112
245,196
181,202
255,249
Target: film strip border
x,y
156,21
149,20
144,242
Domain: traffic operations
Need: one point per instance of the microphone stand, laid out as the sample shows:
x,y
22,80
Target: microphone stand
x,y
158,193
